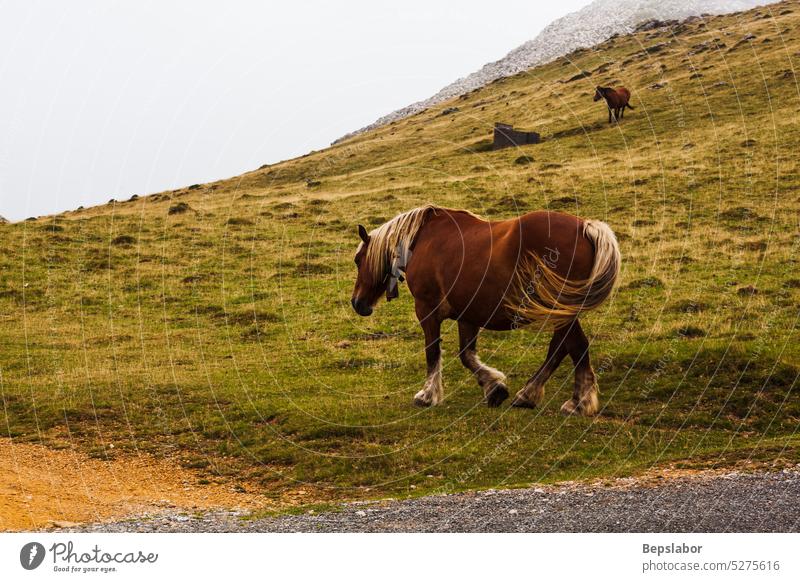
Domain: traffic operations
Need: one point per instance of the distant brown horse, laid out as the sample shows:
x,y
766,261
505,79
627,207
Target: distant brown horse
x,y
543,267
616,99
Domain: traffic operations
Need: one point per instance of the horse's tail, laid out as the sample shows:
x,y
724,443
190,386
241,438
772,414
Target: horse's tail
x,y
546,297
629,106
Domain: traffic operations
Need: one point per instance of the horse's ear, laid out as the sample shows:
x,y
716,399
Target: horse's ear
x,y
362,232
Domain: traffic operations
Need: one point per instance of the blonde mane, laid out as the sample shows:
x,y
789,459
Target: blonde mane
x,y
399,232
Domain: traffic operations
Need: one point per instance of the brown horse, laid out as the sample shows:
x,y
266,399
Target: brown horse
x,y
616,99
543,267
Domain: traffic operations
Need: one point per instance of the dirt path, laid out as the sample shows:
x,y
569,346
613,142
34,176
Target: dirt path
x,y
41,488
686,502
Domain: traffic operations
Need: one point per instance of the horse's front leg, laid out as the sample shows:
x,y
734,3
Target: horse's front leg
x,y
433,392
492,381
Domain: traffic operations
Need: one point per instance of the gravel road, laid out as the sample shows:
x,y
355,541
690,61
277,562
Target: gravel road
x,y
732,502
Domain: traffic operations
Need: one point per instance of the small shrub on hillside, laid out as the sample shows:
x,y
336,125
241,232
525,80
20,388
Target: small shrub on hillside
x,y
238,221
565,202
739,213
747,291
689,306
482,146
754,245
652,282
247,317
510,203
123,240
179,208
691,332
192,279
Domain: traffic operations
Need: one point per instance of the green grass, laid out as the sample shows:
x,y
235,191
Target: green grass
x,y
212,324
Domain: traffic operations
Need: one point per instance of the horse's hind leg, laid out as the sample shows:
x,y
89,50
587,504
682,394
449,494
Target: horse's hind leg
x,y
533,392
584,397
492,381
433,392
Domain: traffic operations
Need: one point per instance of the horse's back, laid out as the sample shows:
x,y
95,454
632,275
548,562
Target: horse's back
x,y
472,263
624,94
496,247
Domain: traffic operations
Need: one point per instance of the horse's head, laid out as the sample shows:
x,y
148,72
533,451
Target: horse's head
x,y
599,93
369,286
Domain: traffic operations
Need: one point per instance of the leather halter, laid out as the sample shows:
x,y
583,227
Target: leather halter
x,y
397,270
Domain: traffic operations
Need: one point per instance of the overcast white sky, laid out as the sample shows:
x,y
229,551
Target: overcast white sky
x,y
103,99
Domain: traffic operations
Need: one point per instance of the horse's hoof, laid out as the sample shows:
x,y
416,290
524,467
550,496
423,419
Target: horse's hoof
x,y
421,403
588,407
522,402
497,394
569,408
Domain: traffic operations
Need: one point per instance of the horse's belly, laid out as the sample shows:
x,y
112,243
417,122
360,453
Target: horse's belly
x,y
501,324
486,305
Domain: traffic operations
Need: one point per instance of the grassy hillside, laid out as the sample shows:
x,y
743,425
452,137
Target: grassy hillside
x,y
212,324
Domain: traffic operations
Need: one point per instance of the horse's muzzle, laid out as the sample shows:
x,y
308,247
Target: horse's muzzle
x,y
360,307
